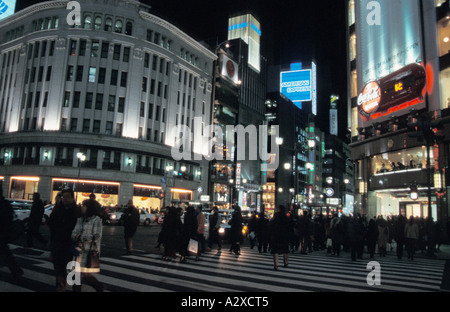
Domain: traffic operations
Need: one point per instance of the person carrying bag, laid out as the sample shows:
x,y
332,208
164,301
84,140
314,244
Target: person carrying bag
x,y
87,236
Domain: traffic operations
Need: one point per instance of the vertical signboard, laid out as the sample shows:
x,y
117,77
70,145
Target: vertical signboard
x,y
390,64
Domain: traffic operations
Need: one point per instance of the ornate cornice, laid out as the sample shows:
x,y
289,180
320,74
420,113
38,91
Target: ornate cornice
x,y
177,32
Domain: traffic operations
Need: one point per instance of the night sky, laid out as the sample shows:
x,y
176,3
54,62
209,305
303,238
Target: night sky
x,y
292,30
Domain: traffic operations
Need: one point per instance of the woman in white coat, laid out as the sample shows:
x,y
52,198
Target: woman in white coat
x,y
87,236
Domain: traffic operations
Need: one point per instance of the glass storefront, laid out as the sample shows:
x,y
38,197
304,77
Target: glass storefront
x,y
222,195
106,193
268,198
23,187
391,177
413,158
147,197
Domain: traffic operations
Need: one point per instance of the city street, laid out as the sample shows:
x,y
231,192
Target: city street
x,y
224,272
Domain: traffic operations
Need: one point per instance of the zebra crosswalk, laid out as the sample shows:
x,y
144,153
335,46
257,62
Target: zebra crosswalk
x,y
249,272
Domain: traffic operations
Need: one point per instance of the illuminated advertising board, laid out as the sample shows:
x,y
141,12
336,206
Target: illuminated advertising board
x,y
391,72
230,69
7,8
296,85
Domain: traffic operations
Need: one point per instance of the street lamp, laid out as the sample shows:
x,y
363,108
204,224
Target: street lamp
x,y
81,158
279,141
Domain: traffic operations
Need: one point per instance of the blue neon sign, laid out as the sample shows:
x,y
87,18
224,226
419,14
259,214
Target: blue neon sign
x,y
296,85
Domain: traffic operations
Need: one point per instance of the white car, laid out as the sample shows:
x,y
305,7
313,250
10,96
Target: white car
x,y
145,218
22,208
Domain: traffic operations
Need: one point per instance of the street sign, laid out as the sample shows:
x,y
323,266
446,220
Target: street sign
x,y
164,180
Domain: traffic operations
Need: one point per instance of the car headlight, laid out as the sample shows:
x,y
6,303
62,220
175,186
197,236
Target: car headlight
x,y
113,217
221,230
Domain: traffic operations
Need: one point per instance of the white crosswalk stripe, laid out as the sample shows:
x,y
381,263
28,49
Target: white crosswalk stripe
x,y
248,272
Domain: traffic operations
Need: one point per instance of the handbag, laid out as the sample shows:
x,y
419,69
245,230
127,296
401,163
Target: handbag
x,y
193,246
329,242
93,260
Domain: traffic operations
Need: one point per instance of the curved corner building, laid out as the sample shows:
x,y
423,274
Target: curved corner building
x,y
93,106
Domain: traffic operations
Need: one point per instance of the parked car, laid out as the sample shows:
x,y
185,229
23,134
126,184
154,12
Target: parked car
x,y
115,217
145,218
22,208
48,209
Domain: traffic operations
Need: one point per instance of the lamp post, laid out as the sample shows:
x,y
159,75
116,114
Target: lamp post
x,y
81,158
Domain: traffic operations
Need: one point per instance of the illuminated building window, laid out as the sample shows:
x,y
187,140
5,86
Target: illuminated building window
x,y
118,27
98,23
87,22
354,84
444,35
108,24
445,91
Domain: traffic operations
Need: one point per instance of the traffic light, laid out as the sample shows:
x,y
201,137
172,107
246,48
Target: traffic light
x,y
437,129
415,127
161,194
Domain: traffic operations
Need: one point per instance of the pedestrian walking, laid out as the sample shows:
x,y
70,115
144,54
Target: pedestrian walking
x,y
214,226
319,233
303,226
130,219
399,235
6,221
61,223
170,233
356,235
35,220
336,234
279,237
98,207
200,230
383,235
236,230
87,235
412,237
188,232
372,237
252,229
262,233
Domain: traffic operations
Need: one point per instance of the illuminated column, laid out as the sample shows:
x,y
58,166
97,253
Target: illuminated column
x,y
56,89
133,98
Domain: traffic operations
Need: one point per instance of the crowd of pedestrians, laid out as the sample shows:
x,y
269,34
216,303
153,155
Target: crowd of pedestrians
x,y
76,232
353,234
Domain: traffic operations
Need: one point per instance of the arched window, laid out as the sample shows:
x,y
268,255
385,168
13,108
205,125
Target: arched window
x,y
108,24
98,23
129,28
87,22
118,27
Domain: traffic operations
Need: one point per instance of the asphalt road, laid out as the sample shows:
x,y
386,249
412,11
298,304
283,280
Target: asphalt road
x,y
113,243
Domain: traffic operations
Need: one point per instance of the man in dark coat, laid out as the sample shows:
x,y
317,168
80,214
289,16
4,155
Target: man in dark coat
x,y
279,236
262,233
236,230
61,223
35,220
131,219
356,235
6,219
399,235
214,225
